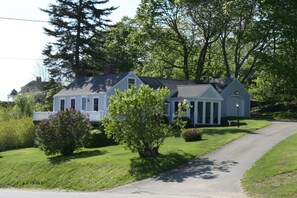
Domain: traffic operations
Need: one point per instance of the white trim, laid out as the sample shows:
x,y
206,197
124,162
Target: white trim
x,y
124,78
130,78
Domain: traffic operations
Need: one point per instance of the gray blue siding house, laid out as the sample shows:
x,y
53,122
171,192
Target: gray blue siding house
x,y
209,101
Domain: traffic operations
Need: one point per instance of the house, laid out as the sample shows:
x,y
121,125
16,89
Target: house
x,y
34,87
90,95
13,94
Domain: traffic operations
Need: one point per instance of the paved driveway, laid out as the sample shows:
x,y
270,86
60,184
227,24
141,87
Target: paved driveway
x,y
214,175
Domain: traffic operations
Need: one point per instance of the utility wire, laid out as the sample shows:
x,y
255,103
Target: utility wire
x,y
27,20
18,58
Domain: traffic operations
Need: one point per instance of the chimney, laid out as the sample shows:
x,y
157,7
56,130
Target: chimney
x,y
109,68
38,79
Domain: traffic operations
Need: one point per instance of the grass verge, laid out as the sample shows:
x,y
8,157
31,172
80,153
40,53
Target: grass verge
x,y
275,174
108,167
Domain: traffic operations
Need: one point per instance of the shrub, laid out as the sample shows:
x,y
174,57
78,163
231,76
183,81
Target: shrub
x,y
16,133
132,119
192,134
63,133
97,138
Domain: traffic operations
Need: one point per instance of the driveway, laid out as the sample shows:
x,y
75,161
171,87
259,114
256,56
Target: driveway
x,y
217,174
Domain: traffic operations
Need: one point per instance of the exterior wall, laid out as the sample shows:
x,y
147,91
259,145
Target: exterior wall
x,y
199,118
235,93
78,102
123,85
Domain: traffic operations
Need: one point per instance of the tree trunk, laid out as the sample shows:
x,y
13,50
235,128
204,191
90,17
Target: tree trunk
x,y
201,61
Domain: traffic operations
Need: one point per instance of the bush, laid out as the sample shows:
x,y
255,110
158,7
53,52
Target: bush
x,y
192,134
16,133
63,133
97,138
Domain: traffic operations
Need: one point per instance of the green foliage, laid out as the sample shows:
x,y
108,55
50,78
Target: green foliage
x,y
132,119
108,167
97,138
24,105
192,134
76,25
16,133
181,121
63,133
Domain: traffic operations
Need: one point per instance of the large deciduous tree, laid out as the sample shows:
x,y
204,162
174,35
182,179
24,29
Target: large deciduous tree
x,y
135,119
75,25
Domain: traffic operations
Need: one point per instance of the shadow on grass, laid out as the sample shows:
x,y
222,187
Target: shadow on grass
x,y
211,131
146,167
83,154
203,168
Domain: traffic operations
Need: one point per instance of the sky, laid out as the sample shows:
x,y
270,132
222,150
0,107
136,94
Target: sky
x,y
21,42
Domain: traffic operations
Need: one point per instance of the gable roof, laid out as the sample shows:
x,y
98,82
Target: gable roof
x,y
104,83
34,86
91,85
191,91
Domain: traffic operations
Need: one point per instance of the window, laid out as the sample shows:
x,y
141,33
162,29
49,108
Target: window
x,y
192,112
207,114
62,104
84,104
96,104
200,112
167,110
131,82
215,112
72,104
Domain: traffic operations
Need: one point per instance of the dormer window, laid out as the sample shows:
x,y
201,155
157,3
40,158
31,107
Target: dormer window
x,y
131,82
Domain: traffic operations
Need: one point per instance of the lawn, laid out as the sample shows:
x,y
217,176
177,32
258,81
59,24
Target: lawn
x,y
107,167
278,115
275,174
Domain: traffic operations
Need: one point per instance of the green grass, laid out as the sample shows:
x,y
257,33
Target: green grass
x,y
275,174
279,115
107,167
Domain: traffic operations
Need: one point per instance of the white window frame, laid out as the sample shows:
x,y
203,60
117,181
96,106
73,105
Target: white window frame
x,y
128,83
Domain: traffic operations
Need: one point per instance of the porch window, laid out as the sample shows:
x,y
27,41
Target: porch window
x,y
192,112
83,103
200,112
96,104
176,107
208,114
62,104
167,109
131,82
72,104
216,113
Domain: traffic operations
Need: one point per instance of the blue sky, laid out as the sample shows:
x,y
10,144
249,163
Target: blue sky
x,y
21,42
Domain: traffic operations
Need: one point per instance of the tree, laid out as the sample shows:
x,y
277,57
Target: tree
x,y
63,133
122,45
76,24
170,34
135,119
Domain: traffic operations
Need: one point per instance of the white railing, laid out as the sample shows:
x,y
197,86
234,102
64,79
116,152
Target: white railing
x,y
94,116
39,116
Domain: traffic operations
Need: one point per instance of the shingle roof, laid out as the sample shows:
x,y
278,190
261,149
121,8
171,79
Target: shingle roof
x,y
155,83
90,85
13,92
33,86
103,83
191,91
